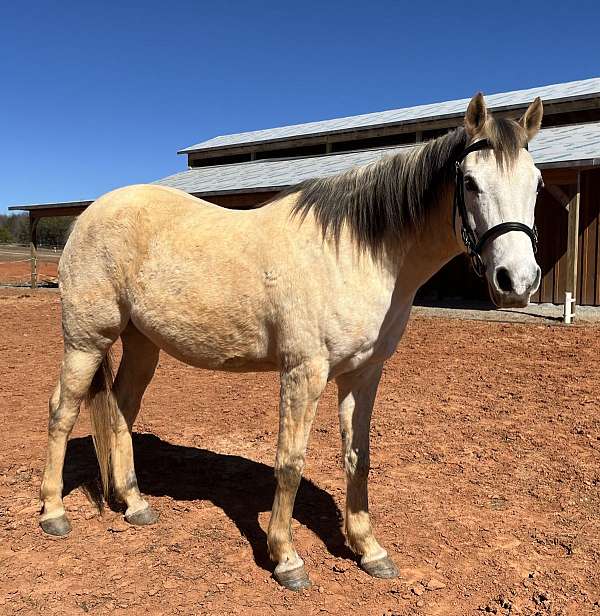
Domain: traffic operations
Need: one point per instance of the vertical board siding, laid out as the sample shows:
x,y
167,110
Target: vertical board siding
x,y
551,218
589,211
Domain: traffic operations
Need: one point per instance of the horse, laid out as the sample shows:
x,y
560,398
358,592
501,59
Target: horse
x,y
317,284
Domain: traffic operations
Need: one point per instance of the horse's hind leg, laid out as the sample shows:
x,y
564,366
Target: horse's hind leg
x,y
140,357
356,394
78,369
301,388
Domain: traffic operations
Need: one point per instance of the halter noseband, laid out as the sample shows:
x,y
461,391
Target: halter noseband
x,y
473,244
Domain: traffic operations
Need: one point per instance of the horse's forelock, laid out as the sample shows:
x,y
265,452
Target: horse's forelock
x,y
507,137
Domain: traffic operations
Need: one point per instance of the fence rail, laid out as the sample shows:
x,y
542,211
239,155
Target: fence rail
x,y
16,264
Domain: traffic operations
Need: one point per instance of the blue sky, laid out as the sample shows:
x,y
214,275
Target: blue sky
x,y
99,95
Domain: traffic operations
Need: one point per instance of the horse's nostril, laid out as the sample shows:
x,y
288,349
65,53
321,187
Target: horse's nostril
x,y
503,280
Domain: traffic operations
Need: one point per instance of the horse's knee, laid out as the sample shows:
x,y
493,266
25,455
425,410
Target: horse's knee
x,y
289,472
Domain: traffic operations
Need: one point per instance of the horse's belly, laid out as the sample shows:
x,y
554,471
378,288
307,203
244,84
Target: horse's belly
x,y
215,337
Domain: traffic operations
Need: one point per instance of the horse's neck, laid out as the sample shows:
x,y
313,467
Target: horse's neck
x,y
430,249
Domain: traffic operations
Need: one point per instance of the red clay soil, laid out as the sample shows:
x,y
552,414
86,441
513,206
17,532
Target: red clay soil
x,y
19,272
484,488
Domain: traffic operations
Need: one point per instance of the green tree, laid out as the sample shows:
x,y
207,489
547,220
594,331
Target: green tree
x,y
5,236
54,231
50,231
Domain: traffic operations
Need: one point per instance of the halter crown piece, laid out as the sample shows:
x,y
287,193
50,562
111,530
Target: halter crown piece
x,y
473,244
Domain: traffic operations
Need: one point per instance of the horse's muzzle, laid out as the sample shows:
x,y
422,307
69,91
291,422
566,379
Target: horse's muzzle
x,y
512,288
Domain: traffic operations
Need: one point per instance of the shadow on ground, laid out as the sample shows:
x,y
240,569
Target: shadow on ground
x,y
242,488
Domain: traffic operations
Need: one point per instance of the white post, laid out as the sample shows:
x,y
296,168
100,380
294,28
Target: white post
x,y
569,302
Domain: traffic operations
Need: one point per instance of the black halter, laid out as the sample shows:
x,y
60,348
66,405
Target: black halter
x,y
474,244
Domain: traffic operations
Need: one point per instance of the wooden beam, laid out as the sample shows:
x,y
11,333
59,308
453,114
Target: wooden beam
x,y
33,223
559,195
572,252
561,176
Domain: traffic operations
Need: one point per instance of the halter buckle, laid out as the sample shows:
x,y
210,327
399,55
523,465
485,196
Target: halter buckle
x,y
467,241
477,263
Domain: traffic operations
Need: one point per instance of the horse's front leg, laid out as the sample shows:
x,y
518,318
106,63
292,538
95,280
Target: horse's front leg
x,y
356,395
301,388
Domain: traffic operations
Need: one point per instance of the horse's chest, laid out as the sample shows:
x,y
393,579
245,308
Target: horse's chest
x,y
373,341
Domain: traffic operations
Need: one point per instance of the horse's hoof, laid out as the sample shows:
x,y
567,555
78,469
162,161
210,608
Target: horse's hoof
x,y
294,579
58,527
381,568
143,517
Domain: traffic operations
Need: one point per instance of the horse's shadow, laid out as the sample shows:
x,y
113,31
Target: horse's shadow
x,y
242,488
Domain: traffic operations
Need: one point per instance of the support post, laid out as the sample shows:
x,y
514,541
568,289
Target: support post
x,y
572,254
33,223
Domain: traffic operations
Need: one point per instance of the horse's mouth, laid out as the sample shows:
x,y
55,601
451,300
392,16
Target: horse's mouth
x,y
508,300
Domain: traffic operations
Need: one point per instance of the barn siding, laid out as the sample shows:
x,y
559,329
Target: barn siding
x,y
588,268
552,221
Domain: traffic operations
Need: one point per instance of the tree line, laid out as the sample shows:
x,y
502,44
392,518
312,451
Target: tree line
x,y
14,229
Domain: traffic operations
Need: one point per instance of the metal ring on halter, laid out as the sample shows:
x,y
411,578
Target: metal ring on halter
x,y
473,244
478,265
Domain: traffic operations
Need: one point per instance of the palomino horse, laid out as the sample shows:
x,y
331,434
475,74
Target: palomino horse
x,y
317,284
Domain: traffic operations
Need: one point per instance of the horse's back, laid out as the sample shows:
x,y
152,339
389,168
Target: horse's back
x,y
120,229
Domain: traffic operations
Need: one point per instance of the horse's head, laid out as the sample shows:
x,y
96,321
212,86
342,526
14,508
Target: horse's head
x,y
497,186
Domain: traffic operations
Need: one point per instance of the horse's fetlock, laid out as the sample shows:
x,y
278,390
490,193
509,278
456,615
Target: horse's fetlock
x,y
131,481
279,541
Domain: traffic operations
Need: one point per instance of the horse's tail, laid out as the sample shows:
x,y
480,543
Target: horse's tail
x,y
103,411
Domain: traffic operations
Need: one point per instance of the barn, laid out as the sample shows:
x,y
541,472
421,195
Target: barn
x,y
243,170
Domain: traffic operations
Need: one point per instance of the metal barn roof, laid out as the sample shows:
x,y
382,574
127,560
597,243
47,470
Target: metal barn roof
x,y
564,146
570,91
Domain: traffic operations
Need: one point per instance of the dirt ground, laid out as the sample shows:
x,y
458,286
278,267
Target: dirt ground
x,y
484,488
15,268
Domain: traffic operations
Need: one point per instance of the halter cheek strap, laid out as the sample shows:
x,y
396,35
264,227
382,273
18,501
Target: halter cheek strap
x,y
472,242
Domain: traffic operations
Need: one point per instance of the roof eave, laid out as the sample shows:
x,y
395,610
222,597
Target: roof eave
x,y
48,206
579,164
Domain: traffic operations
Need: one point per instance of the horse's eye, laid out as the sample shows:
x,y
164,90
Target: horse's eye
x,y
471,184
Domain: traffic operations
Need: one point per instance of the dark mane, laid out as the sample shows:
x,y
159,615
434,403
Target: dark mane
x,y
391,197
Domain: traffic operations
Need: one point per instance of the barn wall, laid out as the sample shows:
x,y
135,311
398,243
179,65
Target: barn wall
x,y
589,240
552,221
241,201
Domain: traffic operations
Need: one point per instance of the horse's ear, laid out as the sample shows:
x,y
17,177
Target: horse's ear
x,y
532,118
476,115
